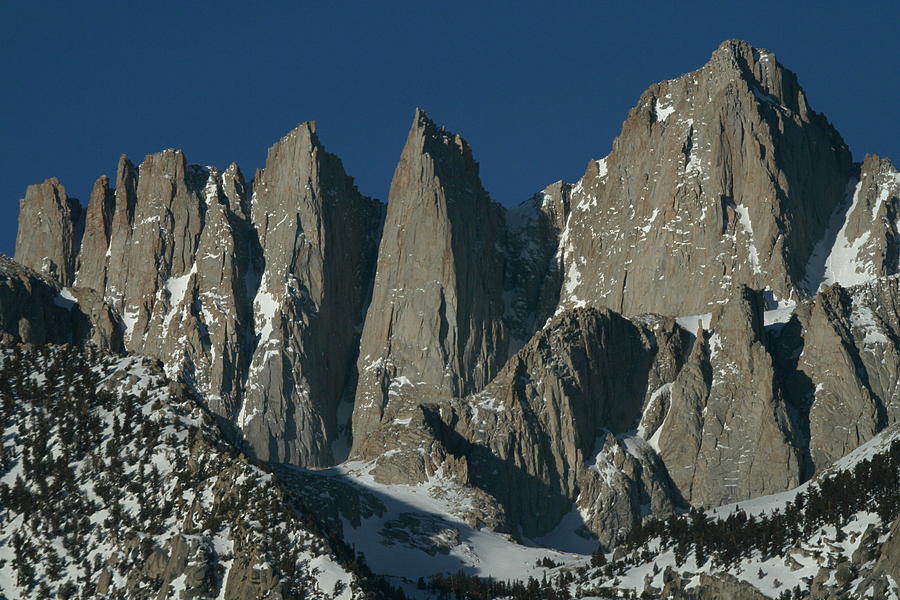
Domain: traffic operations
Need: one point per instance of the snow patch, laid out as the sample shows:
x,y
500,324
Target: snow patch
x,y
129,319
691,323
662,113
177,288
743,212
646,228
265,306
862,317
436,509
65,299
778,316
843,264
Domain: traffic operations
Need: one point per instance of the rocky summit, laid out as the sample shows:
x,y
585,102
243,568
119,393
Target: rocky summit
x,y
278,387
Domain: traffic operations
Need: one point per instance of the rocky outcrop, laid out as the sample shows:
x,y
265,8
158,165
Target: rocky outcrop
x,y
50,225
171,258
720,178
34,309
115,260
871,224
435,324
160,246
97,232
553,428
726,434
711,587
31,309
887,565
215,305
318,237
257,307
843,352
871,571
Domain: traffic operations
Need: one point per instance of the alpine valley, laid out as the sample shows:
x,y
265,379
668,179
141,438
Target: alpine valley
x,y
677,377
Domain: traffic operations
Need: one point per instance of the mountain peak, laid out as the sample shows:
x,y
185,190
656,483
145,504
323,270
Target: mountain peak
x,y
739,47
304,128
769,81
300,140
731,148
440,240
49,231
420,117
450,152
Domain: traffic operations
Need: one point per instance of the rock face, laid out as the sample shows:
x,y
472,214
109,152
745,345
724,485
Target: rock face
x,y
555,427
845,346
255,301
170,256
318,237
532,277
709,587
49,231
726,435
36,310
723,177
435,324
862,241
98,230
31,310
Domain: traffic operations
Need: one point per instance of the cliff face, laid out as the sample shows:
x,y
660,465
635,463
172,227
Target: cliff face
x,y
435,324
318,237
842,368
254,299
861,242
726,434
556,426
50,226
720,178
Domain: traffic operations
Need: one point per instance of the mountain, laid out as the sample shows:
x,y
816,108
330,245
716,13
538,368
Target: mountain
x,y
434,326
723,176
253,293
707,317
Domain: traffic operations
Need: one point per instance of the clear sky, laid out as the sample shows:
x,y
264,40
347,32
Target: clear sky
x,y
537,88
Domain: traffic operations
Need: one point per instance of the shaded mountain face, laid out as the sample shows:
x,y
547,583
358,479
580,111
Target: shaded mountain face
x,y
708,315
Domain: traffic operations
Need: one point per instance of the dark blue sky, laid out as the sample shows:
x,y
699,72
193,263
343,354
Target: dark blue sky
x,y
537,88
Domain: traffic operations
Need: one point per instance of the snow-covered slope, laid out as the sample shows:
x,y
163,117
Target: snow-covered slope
x,y
116,484
411,531
830,537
